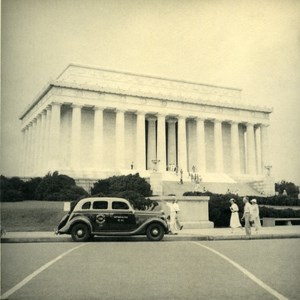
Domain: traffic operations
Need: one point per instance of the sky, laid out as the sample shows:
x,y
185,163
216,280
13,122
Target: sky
x,y
251,45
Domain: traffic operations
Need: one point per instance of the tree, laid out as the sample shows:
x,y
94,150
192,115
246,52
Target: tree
x,y
11,189
131,187
291,189
56,187
29,188
117,184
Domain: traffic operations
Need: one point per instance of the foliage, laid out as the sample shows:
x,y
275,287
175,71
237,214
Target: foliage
x,y
131,187
219,206
117,184
291,189
137,200
11,189
30,187
56,187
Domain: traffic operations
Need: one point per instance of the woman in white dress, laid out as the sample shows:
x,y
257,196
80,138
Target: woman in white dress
x,y
254,217
234,219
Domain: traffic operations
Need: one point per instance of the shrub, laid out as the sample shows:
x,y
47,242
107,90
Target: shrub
x,y
291,189
131,187
29,188
55,187
11,189
137,200
219,207
117,184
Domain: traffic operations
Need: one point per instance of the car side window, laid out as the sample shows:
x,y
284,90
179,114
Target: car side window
x,y
119,205
100,205
86,205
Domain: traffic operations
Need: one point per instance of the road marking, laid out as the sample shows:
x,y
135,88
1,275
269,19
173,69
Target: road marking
x,y
246,272
38,271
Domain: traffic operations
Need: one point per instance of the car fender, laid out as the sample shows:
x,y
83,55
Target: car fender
x,y
143,227
72,221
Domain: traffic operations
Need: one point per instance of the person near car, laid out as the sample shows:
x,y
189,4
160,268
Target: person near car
x,y
177,211
255,215
247,215
172,218
234,218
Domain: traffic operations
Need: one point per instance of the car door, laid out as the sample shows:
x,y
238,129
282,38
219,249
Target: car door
x,y
100,217
122,217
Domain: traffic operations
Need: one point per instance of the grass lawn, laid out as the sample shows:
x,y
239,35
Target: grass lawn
x,y
31,215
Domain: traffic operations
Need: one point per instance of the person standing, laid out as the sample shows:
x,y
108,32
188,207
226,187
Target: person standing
x,y
172,218
255,215
177,210
234,218
246,216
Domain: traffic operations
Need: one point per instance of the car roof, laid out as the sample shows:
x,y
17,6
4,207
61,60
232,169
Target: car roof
x,y
103,199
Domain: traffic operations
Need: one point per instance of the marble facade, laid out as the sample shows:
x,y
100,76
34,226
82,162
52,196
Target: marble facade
x,y
94,123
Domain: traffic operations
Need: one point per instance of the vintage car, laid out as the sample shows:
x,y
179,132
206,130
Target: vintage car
x,y
111,217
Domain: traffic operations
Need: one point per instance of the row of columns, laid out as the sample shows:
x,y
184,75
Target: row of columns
x,y
43,133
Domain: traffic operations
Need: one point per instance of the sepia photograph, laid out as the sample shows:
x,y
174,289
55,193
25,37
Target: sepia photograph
x,y
150,149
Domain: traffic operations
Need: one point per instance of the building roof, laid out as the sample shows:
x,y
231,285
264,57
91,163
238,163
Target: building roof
x,y
89,78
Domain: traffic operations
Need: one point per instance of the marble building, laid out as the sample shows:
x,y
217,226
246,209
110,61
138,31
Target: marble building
x,y
92,123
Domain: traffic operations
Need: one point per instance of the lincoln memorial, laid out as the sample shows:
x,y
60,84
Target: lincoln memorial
x,y
92,123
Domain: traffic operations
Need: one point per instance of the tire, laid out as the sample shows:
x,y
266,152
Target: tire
x,y
80,232
155,232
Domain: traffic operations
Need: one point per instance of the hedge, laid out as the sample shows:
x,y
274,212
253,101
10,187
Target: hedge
x,y
219,207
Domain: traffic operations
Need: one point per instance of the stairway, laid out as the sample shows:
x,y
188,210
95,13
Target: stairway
x,y
242,189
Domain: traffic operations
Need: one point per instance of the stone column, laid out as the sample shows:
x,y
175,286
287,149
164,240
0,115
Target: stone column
x,y
41,143
151,145
182,151
172,142
235,148
257,136
33,147
38,144
55,136
29,150
218,145
22,166
98,137
47,139
161,142
264,147
41,158
140,141
201,157
250,149
76,137
120,139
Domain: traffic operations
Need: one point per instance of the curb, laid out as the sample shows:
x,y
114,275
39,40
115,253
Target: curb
x,y
167,238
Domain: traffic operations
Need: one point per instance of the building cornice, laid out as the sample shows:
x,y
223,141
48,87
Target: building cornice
x,y
153,92
116,91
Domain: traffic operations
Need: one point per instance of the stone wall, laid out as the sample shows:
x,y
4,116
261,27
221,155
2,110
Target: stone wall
x,y
193,211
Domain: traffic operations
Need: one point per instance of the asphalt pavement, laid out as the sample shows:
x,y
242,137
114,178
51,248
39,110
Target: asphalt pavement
x,y
256,269
276,232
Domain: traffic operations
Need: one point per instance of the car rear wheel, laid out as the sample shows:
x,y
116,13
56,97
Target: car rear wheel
x,y
80,232
155,232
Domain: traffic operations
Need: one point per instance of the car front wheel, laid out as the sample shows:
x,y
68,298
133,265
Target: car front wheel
x,y
155,232
80,233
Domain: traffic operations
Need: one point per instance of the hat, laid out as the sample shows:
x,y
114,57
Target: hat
x,y
253,200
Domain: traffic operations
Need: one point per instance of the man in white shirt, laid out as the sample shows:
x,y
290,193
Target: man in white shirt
x,y
177,210
246,216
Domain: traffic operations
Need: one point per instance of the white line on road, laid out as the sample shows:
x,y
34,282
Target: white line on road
x,y
35,273
246,272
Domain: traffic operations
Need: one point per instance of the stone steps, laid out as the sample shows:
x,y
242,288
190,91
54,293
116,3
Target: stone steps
x,y
178,189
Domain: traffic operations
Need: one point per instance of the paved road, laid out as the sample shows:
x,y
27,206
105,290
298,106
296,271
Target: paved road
x,y
257,269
